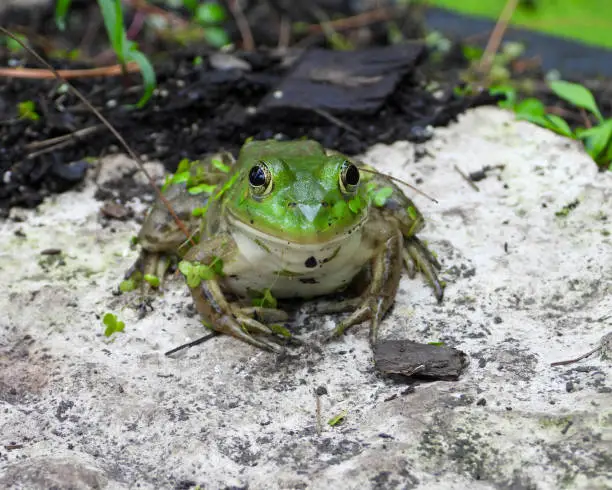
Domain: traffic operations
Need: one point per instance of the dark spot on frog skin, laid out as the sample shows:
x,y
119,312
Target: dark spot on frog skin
x,y
308,280
292,204
252,221
310,262
324,204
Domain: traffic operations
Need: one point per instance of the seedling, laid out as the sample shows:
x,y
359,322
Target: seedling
x,y
337,419
125,50
597,139
27,110
113,324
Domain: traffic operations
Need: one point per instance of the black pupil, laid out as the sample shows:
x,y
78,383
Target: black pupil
x,y
257,176
351,177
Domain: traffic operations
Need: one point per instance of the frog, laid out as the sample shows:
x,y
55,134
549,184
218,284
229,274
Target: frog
x,y
287,220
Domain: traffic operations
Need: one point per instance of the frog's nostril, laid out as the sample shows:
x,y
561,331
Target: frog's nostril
x,y
309,211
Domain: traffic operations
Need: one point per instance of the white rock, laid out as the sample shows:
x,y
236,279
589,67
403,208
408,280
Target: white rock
x,y
226,414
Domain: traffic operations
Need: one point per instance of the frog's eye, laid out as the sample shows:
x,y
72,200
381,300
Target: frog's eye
x,y
260,179
349,177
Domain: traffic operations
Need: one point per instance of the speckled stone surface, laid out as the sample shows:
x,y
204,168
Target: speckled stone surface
x,y
525,288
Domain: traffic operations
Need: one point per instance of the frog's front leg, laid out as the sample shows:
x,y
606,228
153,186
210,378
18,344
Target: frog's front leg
x,y
380,294
214,308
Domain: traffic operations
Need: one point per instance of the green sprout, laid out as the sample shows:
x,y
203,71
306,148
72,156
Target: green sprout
x,y
152,280
195,273
125,50
265,299
337,419
113,324
27,110
597,139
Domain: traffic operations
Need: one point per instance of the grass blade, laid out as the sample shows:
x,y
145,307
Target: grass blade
x,y
148,75
61,11
577,95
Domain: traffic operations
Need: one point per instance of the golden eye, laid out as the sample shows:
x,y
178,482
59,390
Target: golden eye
x,y
260,179
349,177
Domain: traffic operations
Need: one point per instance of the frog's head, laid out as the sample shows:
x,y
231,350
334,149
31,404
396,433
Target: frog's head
x,y
296,192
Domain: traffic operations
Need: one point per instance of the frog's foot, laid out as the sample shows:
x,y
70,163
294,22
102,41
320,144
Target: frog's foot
x,y
211,304
261,314
149,271
417,257
380,294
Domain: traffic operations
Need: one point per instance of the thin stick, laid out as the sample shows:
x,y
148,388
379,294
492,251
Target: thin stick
x,y
110,127
580,358
360,20
39,73
337,122
193,343
248,42
467,179
60,139
418,191
497,35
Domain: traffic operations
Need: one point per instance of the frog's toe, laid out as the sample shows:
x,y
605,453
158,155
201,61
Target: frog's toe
x,y
266,315
241,328
418,257
370,309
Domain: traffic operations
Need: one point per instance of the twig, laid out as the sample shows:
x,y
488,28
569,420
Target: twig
x,y
579,358
466,178
248,43
497,35
193,343
337,121
585,118
39,73
110,127
284,32
59,139
359,20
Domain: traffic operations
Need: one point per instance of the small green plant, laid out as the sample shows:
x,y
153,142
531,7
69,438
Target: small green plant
x,y
113,324
125,50
27,110
337,419
597,139
195,273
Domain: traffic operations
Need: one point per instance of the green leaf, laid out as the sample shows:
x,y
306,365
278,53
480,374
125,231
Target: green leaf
x,y
61,11
266,300
597,138
381,196
183,166
201,188
112,324
338,419
210,13
148,75
560,125
195,212
127,286
206,272
152,280
437,344
113,23
218,164
27,110
576,94
508,91
216,37
529,107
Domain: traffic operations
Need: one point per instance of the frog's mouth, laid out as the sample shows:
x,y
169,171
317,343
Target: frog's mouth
x,y
316,238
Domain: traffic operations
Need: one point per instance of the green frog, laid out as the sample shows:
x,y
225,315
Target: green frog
x,y
286,220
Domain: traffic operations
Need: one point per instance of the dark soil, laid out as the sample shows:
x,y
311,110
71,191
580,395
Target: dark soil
x,y
204,104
